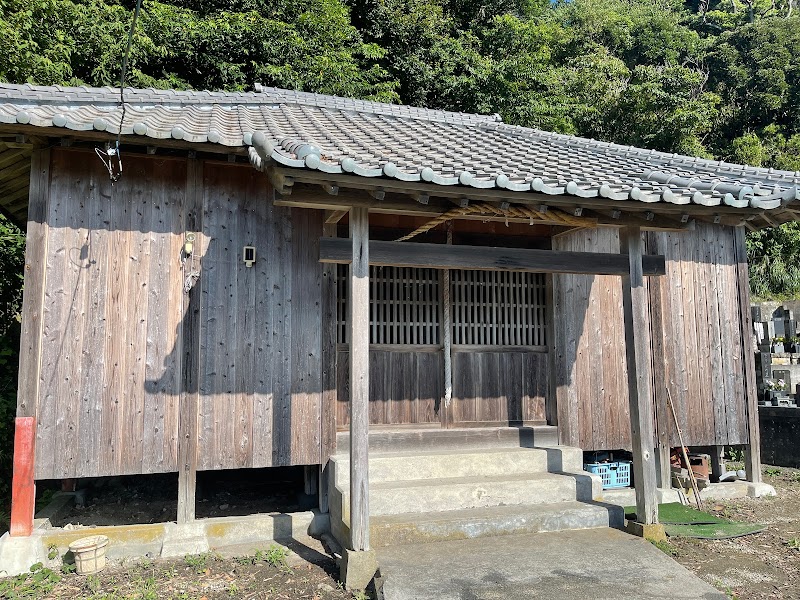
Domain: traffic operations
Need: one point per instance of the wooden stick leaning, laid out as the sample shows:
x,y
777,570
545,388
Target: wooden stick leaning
x,y
685,455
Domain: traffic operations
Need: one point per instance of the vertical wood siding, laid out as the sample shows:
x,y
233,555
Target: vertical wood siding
x,y
499,387
260,341
110,370
591,376
109,380
695,336
698,328
406,387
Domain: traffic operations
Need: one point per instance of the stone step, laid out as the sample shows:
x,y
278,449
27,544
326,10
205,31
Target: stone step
x,y
447,463
469,438
415,528
436,495
400,529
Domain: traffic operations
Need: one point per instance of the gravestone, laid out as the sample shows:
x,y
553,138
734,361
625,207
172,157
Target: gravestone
x,y
779,326
787,379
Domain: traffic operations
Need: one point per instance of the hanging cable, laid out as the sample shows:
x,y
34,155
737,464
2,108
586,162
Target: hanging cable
x,y
113,153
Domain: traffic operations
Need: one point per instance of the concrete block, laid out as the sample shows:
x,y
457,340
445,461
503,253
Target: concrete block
x,y
124,540
757,490
17,554
357,568
564,459
588,486
653,533
187,538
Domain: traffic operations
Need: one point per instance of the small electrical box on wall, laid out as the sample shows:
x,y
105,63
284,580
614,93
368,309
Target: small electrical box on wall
x,y
249,256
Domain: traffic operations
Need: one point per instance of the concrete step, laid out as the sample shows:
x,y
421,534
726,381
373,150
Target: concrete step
x,y
423,439
448,463
400,529
435,495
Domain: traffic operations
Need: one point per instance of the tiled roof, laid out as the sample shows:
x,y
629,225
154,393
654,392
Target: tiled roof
x,y
369,139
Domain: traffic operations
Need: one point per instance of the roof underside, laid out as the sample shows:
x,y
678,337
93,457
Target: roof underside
x,y
334,135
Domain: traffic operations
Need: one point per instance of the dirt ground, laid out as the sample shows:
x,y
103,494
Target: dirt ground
x,y
267,575
763,565
152,499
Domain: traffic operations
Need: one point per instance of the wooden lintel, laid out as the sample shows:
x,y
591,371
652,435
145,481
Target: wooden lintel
x,y
334,216
440,256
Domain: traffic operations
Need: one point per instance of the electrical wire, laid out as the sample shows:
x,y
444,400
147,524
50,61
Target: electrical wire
x,y
115,171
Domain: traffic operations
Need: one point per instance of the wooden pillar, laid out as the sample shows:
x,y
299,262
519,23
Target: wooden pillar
x,y
640,398
447,331
752,452
717,462
359,380
328,422
190,340
23,487
664,467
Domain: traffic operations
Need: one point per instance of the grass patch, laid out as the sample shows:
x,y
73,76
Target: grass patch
x,y
665,547
685,521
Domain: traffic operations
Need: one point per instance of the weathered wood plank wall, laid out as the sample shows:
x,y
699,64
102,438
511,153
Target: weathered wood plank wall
x,y
694,331
406,387
591,376
109,384
260,345
699,332
499,387
111,375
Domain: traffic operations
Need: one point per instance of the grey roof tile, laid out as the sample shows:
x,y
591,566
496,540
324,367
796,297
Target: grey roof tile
x,y
370,139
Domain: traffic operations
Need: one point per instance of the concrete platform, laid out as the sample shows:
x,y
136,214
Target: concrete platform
x,y
715,491
601,564
162,539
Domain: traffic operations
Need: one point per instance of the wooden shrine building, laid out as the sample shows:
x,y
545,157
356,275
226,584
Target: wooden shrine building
x,y
273,267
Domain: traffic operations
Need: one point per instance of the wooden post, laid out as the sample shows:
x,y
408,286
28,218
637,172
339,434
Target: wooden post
x,y
664,467
190,340
640,398
717,462
23,487
447,330
328,421
359,380
752,452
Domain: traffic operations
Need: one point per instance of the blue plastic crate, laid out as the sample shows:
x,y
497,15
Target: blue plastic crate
x,y
613,474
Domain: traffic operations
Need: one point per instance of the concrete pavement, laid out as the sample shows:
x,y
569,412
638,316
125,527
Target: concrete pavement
x,y
597,564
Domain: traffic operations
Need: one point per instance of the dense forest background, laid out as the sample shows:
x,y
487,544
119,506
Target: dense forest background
x,y
709,78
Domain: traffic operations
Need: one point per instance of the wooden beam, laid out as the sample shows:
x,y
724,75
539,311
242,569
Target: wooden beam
x,y
441,256
358,246
752,455
190,340
334,216
640,397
